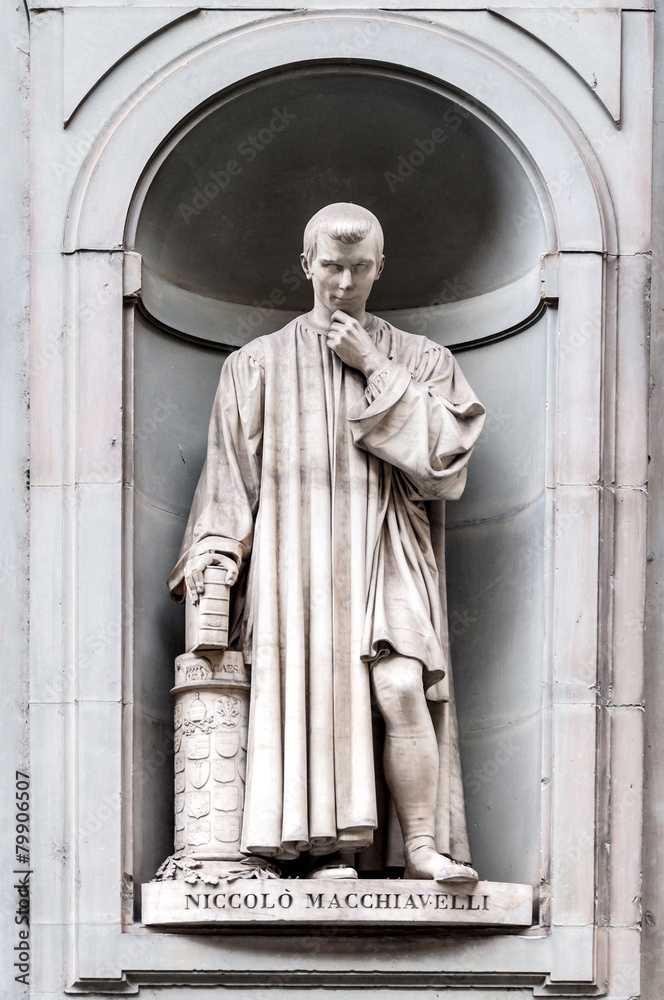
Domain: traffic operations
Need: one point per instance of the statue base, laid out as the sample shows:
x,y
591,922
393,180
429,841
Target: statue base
x,y
273,902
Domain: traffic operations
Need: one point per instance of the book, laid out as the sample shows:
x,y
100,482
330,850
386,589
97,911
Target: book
x,y
206,623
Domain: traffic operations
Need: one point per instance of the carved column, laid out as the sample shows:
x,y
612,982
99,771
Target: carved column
x,y
211,716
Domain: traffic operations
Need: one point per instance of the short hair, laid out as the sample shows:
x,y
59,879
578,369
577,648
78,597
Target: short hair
x,y
342,221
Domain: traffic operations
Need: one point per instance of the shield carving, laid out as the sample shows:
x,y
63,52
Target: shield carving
x,y
179,840
223,770
179,821
243,737
228,711
179,761
242,768
197,709
226,799
199,772
199,833
179,782
179,803
227,828
198,804
177,741
198,746
226,744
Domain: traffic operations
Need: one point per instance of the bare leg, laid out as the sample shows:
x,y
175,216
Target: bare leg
x,y
411,766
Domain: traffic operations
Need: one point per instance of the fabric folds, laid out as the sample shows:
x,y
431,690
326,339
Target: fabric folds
x,y
316,482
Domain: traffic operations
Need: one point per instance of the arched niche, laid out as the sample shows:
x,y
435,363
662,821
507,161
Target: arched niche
x,y
219,235
220,226
105,203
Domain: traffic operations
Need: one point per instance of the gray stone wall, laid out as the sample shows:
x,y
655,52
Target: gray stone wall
x,y
567,90
14,482
652,971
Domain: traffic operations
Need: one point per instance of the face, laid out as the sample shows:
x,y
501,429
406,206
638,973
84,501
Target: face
x,y
343,273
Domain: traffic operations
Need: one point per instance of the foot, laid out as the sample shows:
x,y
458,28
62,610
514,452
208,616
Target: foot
x,y
425,862
333,871
335,865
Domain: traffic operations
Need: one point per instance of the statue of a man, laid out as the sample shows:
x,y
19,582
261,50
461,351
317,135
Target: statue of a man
x,y
326,441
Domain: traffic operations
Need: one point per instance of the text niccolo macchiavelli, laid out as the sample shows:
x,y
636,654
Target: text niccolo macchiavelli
x,y
338,901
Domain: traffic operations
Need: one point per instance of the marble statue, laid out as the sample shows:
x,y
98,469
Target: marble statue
x,y
327,439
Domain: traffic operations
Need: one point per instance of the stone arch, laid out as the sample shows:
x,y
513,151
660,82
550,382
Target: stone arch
x,y
574,200
575,197
574,203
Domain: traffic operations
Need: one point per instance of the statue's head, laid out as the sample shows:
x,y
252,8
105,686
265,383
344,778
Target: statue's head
x,y
343,255
344,222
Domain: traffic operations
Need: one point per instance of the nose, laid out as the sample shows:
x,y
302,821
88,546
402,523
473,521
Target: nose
x,y
346,281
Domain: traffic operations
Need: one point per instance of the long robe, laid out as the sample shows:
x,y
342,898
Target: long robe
x,y
316,483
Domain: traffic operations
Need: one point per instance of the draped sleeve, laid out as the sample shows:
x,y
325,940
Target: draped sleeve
x,y
222,513
423,421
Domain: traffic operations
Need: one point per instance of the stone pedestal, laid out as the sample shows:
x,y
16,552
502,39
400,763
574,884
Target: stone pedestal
x,y
211,712
352,902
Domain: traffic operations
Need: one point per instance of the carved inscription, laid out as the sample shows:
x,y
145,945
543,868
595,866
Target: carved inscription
x,y
396,901
238,900
231,667
381,902
356,900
